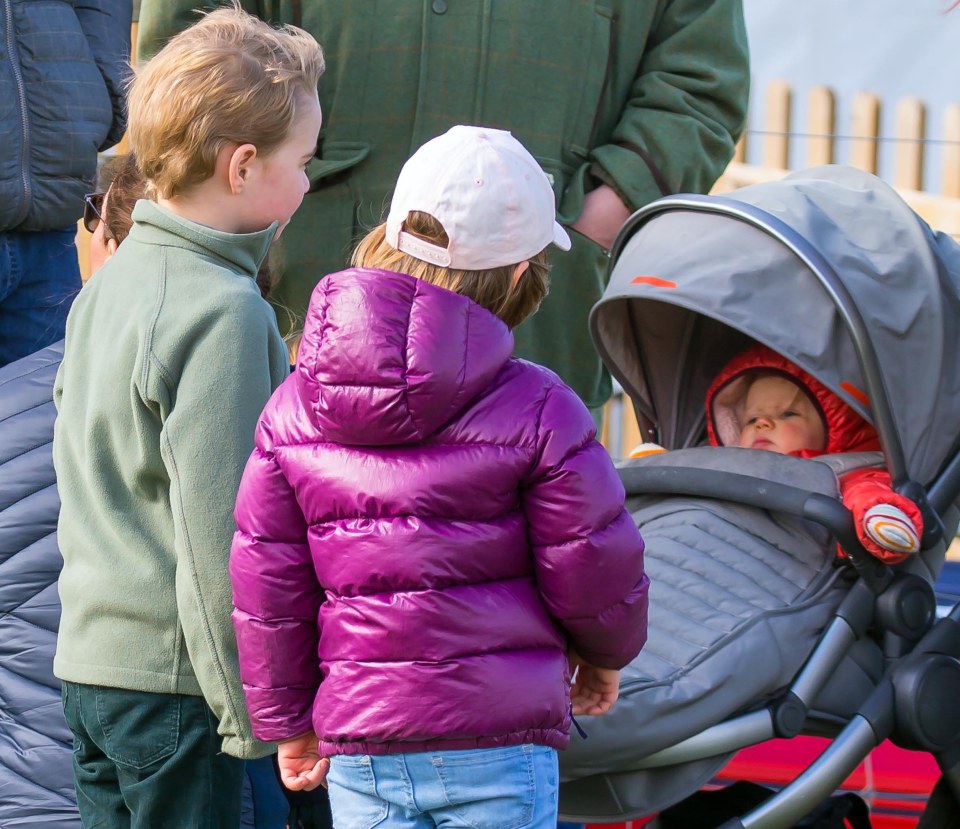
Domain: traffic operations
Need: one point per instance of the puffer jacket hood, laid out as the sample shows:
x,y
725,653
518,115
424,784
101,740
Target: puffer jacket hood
x,y
846,431
395,374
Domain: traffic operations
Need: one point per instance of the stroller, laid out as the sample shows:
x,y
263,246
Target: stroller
x,y
756,630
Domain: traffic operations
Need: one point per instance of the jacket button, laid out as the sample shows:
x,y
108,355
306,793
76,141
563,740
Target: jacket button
x,y
439,6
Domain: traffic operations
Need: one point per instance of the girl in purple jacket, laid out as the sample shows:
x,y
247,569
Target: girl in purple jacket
x,y
431,542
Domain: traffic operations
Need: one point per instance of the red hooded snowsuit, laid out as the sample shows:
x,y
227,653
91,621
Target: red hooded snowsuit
x,y
845,430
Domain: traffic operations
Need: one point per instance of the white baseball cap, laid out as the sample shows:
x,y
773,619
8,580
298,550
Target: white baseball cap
x,y
491,196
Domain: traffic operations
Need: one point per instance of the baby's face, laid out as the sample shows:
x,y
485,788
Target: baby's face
x,y
779,417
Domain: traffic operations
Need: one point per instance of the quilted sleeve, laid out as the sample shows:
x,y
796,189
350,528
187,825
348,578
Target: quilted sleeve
x,y
276,598
588,551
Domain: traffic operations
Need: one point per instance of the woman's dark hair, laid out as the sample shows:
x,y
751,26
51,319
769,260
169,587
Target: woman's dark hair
x,y
121,177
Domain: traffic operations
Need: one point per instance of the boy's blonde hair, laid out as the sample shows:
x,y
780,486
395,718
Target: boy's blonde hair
x,y
229,78
493,288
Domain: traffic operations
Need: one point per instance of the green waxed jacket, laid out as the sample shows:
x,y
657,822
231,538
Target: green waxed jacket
x,y
647,96
170,356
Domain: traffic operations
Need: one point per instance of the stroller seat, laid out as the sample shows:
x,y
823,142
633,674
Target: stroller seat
x,y
739,598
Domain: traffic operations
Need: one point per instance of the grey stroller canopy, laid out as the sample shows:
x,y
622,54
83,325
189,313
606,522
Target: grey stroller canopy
x,y
830,268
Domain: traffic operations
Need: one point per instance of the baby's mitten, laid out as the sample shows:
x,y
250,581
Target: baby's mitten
x,y
642,450
890,527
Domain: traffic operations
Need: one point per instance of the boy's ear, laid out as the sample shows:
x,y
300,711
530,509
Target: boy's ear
x,y
519,271
239,163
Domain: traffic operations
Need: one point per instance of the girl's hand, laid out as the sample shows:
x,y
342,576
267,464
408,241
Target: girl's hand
x,y
593,690
301,766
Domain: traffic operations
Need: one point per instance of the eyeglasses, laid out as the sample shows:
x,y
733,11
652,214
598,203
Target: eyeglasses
x,y
92,210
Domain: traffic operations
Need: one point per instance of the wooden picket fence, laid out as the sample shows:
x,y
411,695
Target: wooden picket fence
x,y
779,153
910,144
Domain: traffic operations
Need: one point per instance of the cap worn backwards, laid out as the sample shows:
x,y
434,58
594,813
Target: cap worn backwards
x,y
492,198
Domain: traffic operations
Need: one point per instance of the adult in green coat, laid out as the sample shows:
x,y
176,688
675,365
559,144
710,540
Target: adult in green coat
x,y
621,101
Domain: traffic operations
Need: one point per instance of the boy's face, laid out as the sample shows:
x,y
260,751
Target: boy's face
x,y
283,182
779,417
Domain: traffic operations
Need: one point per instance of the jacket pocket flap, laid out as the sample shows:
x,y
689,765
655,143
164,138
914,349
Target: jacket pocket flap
x,y
337,157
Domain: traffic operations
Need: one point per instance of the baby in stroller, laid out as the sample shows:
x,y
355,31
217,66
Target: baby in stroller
x,y
762,401
756,628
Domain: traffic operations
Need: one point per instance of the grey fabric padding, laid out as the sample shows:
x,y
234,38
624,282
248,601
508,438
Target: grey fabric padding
x,y
738,598
848,461
627,795
712,282
36,772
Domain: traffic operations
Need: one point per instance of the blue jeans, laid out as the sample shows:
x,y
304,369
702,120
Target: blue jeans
x,y
149,761
39,277
486,788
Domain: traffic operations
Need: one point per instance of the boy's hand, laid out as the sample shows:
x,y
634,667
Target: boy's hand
x,y
593,690
301,766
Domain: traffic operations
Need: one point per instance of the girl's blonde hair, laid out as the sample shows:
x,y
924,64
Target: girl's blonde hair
x,y
493,288
229,78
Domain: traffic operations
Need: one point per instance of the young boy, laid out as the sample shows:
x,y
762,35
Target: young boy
x,y
170,355
762,401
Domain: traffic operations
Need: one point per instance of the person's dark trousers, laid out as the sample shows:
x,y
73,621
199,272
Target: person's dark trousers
x,y
308,810
264,805
39,277
149,761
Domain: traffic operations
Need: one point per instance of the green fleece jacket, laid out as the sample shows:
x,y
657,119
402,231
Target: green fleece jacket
x,y
647,96
170,356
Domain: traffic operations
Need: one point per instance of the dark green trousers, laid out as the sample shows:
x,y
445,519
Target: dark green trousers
x,y
149,761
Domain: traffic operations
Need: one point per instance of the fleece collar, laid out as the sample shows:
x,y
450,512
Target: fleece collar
x,y
241,252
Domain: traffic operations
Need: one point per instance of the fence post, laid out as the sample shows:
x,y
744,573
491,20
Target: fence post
x,y
776,126
865,130
822,121
910,132
950,157
740,150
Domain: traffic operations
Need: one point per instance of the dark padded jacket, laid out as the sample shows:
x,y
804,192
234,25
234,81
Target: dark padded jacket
x,y
62,66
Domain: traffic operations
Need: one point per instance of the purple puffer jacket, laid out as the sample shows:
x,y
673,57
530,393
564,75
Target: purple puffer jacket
x,y
425,525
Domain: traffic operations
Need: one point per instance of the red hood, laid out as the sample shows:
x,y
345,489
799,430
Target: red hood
x,y
846,430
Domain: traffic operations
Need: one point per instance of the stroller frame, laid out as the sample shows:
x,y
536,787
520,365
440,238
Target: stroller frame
x,y
914,702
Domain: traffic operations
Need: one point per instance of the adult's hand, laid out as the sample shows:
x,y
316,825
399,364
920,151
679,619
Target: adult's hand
x,y
602,217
